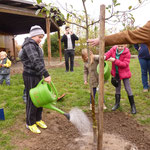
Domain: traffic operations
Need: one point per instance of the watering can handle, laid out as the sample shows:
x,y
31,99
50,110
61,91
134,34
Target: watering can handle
x,y
40,82
54,89
51,84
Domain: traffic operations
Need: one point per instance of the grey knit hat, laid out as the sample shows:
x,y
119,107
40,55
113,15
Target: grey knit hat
x,y
36,30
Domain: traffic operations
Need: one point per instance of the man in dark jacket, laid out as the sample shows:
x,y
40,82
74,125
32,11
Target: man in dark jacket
x,y
69,45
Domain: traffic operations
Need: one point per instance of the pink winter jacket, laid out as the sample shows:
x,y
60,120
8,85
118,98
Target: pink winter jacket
x,y
122,62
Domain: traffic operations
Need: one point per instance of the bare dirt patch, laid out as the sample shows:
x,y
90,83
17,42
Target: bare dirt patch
x,y
54,63
57,136
121,132
125,126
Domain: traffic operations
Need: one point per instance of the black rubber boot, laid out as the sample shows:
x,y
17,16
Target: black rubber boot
x,y
133,108
117,103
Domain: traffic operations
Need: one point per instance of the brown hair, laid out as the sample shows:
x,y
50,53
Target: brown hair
x,y
85,53
67,27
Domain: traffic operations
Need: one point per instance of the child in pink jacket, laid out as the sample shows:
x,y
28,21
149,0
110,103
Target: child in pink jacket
x,y
120,57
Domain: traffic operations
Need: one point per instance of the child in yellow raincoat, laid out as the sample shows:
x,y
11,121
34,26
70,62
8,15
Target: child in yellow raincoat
x,y
5,64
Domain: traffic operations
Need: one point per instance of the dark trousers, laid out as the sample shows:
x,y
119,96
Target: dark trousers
x,y
24,97
69,54
94,93
145,70
33,113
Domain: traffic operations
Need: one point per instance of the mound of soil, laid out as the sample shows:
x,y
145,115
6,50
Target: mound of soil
x,y
124,125
61,134
57,136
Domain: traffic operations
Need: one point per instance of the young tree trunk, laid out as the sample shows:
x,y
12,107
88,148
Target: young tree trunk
x,y
91,88
101,77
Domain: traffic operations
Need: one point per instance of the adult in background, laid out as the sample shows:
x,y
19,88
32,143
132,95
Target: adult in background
x,y
69,39
144,59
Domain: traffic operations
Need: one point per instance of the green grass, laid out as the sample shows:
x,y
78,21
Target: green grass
x,y
77,95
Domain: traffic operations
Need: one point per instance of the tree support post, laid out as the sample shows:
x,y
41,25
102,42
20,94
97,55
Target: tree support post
x,y
14,47
101,77
59,41
48,38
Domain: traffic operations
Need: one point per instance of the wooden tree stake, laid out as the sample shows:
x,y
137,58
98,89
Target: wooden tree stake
x,y
101,77
59,42
48,38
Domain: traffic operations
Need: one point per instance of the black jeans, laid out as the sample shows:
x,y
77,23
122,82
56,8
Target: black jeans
x,y
69,54
33,113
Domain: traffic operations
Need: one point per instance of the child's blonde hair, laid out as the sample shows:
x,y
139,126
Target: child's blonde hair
x,y
85,55
3,54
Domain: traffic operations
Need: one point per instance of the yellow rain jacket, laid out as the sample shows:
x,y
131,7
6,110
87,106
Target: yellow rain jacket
x,y
6,68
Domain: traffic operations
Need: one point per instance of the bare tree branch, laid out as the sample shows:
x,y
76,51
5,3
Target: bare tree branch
x,y
75,24
70,12
113,14
86,16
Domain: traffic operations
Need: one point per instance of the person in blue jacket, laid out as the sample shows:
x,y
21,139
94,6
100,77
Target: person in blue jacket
x,y
144,59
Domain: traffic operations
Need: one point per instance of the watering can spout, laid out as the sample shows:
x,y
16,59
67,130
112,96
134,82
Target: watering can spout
x,y
67,116
50,106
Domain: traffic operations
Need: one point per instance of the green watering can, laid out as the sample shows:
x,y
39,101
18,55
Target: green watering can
x,y
106,71
45,95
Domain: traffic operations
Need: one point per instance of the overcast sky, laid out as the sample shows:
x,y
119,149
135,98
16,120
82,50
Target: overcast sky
x,y
141,15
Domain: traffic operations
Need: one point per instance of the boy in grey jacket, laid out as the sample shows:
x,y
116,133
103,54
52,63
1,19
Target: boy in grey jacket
x,y
33,71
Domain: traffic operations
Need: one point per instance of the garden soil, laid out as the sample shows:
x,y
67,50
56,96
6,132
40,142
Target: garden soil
x,y
121,132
